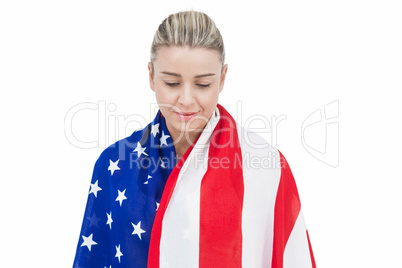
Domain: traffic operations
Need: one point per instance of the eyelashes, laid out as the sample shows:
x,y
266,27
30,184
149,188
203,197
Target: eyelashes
x,y
171,84
176,84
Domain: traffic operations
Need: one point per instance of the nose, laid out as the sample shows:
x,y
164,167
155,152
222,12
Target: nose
x,y
186,97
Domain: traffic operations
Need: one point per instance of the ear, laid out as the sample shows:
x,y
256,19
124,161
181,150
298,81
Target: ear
x,y
223,76
151,77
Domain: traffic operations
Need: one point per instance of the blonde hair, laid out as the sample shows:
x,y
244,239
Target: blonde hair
x,y
188,28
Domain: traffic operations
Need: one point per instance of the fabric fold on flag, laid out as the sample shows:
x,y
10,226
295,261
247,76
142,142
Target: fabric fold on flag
x,y
230,201
199,224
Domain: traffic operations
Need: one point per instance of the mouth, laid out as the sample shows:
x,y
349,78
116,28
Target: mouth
x,y
186,116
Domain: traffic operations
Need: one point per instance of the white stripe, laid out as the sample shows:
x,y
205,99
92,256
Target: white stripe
x,y
297,252
261,173
179,246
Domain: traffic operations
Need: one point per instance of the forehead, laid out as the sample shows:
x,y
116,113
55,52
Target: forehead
x,y
187,59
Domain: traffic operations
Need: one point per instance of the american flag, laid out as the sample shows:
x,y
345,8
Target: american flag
x,y
212,208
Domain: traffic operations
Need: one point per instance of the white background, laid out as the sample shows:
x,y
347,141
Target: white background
x,y
285,58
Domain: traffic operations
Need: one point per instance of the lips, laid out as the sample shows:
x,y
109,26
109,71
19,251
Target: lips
x,y
186,116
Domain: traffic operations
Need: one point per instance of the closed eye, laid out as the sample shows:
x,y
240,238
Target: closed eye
x,y
176,84
171,84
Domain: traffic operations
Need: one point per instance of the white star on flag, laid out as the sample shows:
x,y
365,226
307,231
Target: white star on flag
x,y
137,229
109,219
157,205
148,179
163,138
88,242
155,129
113,166
121,196
95,189
140,150
118,253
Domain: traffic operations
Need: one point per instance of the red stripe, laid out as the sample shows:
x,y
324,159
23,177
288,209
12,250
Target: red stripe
x,y
153,254
311,250
287,208
221,203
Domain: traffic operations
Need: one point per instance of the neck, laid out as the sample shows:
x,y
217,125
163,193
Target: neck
x,y
181,144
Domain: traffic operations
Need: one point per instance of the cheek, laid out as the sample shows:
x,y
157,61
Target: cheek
x,y
164,96
208,99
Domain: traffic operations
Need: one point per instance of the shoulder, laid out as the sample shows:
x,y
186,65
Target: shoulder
x,y
253,143
258,153
265,167
119,150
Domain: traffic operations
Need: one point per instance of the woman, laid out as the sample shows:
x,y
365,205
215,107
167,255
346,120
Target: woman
x,y
183,191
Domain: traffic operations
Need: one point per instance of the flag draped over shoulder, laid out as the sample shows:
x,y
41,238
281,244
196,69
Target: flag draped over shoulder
x,y
230,201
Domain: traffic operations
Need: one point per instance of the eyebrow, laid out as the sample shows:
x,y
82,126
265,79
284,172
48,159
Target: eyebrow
x,y
197,76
